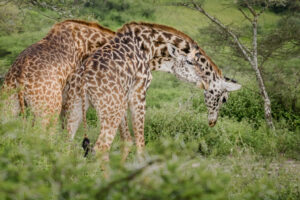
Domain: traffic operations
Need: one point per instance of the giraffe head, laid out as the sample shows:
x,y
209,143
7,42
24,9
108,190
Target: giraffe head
x,y
196,68
215,95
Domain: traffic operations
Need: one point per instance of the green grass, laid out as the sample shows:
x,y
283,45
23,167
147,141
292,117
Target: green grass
x,y
36,165
237,159
16,43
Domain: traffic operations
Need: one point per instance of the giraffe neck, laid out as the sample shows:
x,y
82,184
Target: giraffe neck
x,y
153,39
205,70
78,39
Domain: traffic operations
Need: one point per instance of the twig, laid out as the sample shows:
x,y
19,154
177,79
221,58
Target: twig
x,y
130,177
250,56
245,15
246,52
251,9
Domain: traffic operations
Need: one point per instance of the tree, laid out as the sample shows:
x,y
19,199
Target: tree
x,y
64,8
250,54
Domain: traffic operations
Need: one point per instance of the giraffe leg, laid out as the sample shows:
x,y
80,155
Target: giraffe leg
x,y
125,137
75,115
110,115
65,99
46,106
138,111
50,114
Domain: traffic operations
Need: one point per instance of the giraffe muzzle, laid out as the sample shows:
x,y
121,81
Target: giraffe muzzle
x,y
212,123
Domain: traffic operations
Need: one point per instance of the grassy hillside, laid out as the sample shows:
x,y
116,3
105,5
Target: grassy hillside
x,y
185,159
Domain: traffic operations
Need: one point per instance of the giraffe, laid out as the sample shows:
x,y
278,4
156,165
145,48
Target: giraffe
x,y
72,104
117,76
40,72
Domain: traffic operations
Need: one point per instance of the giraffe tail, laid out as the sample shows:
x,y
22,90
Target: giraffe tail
x,y
20,92
21,102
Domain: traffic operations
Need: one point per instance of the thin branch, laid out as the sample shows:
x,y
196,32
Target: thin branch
x,y
41,13
130,177
251,57
254,41
251,9
254,13
246,52
265,58
264,8
245,15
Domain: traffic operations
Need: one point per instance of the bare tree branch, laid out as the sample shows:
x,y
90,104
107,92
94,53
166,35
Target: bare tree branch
x,y
246,52
264,8
251,9
245,15
130,177
250,56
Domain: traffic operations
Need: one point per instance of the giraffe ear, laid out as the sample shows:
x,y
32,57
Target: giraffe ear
x,y
173,50
203,85
231,86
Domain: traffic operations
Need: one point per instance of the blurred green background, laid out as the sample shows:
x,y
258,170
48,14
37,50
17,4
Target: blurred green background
x,y
237,159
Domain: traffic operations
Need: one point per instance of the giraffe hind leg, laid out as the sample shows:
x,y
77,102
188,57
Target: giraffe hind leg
x,y
125,137
75,116
110,114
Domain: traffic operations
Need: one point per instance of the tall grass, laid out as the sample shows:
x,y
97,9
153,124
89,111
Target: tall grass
x,y
185,159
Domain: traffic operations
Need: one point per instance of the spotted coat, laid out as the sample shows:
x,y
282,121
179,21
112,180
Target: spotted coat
x,y
40,72
118,74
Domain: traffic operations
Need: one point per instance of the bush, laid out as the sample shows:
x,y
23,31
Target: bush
x,y
10,20
36,165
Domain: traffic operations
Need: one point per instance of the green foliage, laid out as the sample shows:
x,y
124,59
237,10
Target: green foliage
x,y
36,165
113,13
285,6
237,159
228,137
10,21
276,6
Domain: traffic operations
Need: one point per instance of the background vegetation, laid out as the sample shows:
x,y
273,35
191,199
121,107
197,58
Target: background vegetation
x,y
186,159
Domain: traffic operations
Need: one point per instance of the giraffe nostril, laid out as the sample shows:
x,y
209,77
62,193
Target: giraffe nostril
x,y
212,123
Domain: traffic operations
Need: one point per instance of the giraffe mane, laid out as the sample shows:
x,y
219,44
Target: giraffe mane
x,y
176,32
89,24
161,27
214,66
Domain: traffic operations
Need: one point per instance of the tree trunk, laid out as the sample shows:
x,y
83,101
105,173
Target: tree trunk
x,y
265,96
250,56
254,63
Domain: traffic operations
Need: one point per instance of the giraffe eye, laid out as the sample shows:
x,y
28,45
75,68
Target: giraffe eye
x,y
189,62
